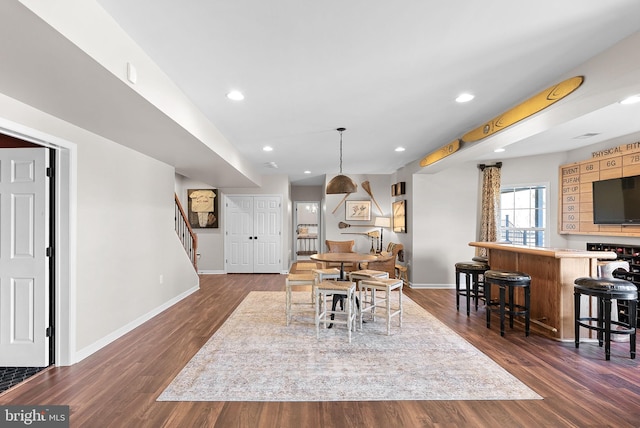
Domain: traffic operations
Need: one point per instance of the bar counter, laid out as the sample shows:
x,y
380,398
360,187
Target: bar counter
x,y
552,272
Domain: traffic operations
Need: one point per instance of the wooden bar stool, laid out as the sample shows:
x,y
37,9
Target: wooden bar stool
x,y
386,285
303,267
508,280
605,290
473,271
401,273
481,259
324,274
292,280
359,275
347,290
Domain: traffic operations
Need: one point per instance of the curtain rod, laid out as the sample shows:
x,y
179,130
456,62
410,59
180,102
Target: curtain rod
x,y
483,166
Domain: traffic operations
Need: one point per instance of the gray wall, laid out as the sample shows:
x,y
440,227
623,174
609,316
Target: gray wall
x,y
307,193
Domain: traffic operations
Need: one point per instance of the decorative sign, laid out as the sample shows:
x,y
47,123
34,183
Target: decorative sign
x,y
441,153
400,216
631,147
203,208
398,189
531,106
576,198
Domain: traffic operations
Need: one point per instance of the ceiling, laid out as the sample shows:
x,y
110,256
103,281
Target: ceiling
x,y
386,71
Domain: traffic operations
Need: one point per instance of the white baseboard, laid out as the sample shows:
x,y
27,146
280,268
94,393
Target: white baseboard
x,y
96,346
432,286
221,272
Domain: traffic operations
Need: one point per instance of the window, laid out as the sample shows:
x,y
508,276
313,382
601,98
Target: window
x,y
523,215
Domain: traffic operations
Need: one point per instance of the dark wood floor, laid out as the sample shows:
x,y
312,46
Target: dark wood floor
x,y
118,386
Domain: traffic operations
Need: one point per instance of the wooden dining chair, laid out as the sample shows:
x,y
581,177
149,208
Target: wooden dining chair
x,y
341,247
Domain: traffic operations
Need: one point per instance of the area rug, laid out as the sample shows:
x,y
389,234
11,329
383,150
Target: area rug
x,y
254,356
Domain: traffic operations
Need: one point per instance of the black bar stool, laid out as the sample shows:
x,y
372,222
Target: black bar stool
x,y
508,280
474,285
606,289
481,259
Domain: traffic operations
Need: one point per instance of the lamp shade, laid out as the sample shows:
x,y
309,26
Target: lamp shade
x,y
382,222
341,184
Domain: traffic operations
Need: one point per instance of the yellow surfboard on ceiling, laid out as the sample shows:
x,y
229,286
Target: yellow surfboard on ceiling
x,y
529,107
441,153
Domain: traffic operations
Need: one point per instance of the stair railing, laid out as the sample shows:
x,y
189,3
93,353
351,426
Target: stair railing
x,y
187,236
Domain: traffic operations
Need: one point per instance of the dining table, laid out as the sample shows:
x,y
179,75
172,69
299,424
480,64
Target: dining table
x,y
343,258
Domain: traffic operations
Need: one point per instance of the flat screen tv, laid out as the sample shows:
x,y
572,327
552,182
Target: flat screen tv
x,y
617,201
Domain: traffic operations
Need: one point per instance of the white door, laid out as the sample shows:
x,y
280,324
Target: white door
x,y
267,234
253,234
238,220
24,290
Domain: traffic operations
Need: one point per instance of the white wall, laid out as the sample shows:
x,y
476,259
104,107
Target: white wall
x,y
124,233
406,174
539,170
381,189
126,239
544,169
211,241
444,209
444,222
210,249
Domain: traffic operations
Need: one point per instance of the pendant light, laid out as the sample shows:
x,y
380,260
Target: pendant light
x,y
341,183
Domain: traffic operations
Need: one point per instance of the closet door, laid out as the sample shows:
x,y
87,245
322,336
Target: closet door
x,y
238,221
253,234
267,234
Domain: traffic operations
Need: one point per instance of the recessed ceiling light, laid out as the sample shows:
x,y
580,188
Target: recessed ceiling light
x,y
400,149
235,96
500,150
631,100
463,98
307,172
267,148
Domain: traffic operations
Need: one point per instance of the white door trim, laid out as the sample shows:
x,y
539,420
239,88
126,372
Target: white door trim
x,y
66,215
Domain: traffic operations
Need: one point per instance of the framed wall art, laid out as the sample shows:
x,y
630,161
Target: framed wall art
x,y
357,210
399,216
398,189
203,208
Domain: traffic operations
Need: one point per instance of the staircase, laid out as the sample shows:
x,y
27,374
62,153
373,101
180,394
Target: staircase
x,y
187,236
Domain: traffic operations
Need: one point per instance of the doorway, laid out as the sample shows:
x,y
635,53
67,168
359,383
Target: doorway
x,y
62,161
25,276
306,233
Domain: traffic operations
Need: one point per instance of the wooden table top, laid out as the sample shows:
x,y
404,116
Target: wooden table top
x,y
344,257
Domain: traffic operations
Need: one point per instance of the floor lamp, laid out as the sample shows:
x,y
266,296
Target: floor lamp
x,y
382,222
